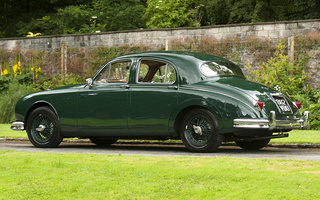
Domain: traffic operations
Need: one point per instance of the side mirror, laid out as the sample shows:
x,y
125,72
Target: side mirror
x,y
89,82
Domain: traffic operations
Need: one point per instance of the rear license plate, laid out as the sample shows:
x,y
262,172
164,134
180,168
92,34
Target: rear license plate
x,y
282,104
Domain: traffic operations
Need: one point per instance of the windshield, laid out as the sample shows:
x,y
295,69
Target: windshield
x,y
210,69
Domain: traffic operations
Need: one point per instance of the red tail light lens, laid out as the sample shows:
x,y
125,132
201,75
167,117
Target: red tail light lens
x,y
260,104
297,105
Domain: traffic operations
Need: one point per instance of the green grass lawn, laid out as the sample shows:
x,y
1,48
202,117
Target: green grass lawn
x,y
89,176
295,137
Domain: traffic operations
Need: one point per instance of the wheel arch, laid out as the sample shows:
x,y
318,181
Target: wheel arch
x,y
185,110
38,105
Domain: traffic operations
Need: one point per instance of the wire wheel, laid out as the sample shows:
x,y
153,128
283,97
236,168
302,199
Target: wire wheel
x,y
43,128
199,131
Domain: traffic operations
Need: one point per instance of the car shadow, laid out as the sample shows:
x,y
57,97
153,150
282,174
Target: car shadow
x,y
179,148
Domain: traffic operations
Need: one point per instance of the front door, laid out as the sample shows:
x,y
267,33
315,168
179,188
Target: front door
x,y
102,108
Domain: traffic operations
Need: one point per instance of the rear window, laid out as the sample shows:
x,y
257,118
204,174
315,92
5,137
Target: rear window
x,y
211,69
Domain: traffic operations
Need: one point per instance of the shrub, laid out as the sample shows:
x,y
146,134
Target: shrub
x,y
292,79
57,81
10,97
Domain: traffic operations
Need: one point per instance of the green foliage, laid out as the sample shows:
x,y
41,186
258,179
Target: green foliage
x,y
309,9
215,12
68,20
109,16
169,14
10,97
58,81
54,17
292,79
119,15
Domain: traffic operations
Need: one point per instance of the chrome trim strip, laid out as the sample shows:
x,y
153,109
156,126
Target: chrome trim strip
x,y
17,126
271,123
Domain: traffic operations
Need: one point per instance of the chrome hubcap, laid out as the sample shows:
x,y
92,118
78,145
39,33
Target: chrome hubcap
x,y
197,129
40,128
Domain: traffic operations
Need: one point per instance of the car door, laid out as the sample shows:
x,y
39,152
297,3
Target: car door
x,y
103,108
153,96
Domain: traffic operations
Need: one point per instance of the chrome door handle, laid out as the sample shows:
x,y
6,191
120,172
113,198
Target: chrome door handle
x,y
125,86
174,87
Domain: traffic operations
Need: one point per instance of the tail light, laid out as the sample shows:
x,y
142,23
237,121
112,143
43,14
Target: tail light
x,y
259,105
297,105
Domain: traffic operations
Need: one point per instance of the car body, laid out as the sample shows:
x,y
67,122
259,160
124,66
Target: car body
x,y
199,98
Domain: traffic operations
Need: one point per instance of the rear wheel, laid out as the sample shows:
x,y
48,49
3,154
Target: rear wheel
x,y
199,131
43,128
103,142
253,145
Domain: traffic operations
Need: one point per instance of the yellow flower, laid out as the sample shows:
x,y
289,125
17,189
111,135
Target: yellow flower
x,y
30,34
4,72
15,68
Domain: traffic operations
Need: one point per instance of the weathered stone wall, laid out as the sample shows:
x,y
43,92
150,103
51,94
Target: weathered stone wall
x,y
158,37
163,38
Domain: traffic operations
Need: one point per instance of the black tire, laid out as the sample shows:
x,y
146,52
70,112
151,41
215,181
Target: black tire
x,y
253,145
103,142
43,128
199,131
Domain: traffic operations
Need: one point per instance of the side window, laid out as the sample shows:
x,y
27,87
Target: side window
x,y
164,74
117,72
143,71
156,72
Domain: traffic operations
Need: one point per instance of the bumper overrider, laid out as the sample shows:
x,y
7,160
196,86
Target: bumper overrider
x,y
17,126
272,123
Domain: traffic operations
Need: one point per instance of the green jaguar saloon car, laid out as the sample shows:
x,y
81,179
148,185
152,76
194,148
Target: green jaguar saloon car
x,y
201,99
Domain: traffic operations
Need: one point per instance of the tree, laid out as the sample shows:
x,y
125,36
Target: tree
x,y
22,12
169,14
215,12
116,15
110,15
309,9
68,20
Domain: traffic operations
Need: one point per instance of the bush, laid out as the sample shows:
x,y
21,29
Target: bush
x,y
10,97
58,81
292,79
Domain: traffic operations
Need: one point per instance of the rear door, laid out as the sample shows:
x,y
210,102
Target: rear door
x,y
153,96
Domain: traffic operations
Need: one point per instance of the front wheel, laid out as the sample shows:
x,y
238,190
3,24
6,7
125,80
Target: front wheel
x,y
43,128
199,131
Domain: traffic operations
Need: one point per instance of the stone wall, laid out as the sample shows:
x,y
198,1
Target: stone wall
x,y
163,38
159,37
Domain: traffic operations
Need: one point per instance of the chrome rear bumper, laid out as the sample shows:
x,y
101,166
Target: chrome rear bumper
x,y
272,124
17,126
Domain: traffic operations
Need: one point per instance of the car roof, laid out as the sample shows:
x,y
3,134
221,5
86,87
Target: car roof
x,y
187,63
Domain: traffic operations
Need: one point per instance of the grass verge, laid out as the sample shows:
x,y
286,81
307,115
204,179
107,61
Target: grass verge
x,y
89,176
